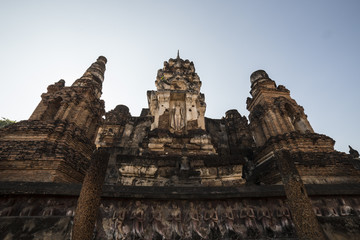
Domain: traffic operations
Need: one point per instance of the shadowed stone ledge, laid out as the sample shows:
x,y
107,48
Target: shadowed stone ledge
x,y
111,191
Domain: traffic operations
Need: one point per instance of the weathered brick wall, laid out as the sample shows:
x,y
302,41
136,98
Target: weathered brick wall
x,y
44,151
333,167
314,168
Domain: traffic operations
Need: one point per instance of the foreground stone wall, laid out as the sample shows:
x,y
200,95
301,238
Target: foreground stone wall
x,y
46,211
35,227
195,219
246,218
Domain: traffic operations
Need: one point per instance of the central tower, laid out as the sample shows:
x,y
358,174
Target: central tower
x,y
177,105
178,110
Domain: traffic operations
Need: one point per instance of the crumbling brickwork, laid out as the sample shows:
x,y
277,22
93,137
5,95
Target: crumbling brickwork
x,y
56,143
54,151
278,124
272,111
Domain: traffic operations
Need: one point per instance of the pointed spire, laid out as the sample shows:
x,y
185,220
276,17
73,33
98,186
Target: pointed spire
x,y
178,55
94,74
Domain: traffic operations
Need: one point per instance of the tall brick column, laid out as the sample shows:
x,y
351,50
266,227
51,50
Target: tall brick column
x,y
90,195
306,223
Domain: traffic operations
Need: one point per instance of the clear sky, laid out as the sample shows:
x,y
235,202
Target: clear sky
x,y
311,47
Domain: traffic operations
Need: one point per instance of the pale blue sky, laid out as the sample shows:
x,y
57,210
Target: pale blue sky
x,y
311,47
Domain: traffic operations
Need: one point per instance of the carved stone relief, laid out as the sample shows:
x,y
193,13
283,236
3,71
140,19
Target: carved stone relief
x,y
196,219
188,219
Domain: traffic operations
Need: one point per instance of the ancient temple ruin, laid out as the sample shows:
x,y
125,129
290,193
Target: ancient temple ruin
x,y
173,173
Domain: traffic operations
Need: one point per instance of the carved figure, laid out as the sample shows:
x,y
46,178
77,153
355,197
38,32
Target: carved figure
x,y
248,168
119,218
28,211
317,211
157,221
229,218
70,212
264,217
283,214
49,209
177,117
345,210
106,222
239,226
106,229
6,211
8,208
211,216
356,207
185,164
211,219
330,211
175,219
138,219
195,217
247,213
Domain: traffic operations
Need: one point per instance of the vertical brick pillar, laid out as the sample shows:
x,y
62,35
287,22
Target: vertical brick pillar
x,y
306,223
89,199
